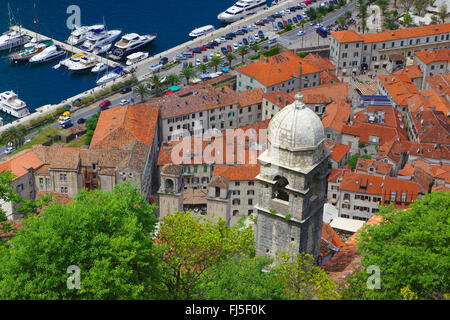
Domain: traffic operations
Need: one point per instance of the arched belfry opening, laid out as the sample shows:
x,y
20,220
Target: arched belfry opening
x,y
169,185
279,189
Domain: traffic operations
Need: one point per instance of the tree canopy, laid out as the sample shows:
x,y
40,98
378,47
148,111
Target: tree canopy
x,y
411,249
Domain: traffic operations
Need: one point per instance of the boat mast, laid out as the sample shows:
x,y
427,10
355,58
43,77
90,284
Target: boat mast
x,y
35,23
10,16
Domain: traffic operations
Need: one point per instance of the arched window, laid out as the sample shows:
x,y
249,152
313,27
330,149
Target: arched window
x,y
279,191
169,185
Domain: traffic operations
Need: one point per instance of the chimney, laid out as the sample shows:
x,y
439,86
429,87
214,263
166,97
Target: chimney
x,y
278,99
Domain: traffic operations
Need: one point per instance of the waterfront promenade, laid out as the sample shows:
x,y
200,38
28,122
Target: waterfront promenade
x,y
141,69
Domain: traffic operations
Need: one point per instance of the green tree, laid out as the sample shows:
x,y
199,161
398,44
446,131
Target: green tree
x,y
407,20
214,62
242,51
91,124
311,13
230,57
173,79
105,234
442,12
354,159
347,15
302,280
14,136
202,68
241,279
406,5
342,22
434,19
155,82
255,47
142,90
187,73
319,20
194,245
302,24
420,5
411,249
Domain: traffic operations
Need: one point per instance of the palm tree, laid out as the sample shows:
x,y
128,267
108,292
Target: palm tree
x,y
319,20
202,68
155,81
242,51
363,24
341,22
255,47
14,136
142,90
311,13
214,62
173,79
188,73
347,15
302,23
442,12
230,57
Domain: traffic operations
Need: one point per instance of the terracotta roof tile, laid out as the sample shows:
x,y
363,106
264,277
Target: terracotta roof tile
x,y
326,78
431,126
382,168
440,83
325,93
284,98
220,182
412,72
347,36
238,172
336,115
323,64
21,163
277,69
339,151
406,33
429,56
428,99
400,88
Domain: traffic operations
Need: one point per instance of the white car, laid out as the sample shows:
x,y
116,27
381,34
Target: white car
x,y
64,120
124,102
27,140
256,37
9,150
235,46
211,55
154,67
222,39
300,33
218,40
198,62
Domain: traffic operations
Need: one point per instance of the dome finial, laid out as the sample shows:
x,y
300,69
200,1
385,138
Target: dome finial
x,y
299,101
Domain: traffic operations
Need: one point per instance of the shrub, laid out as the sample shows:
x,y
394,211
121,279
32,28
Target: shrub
x,y
287,217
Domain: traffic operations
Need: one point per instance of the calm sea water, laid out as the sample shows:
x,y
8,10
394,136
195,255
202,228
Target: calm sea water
x,y
38,85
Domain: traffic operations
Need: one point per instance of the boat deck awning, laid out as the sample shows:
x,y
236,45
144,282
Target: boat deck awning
x,y
174,88
224,69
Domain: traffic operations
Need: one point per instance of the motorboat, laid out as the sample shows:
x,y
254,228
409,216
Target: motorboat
x,y
242,9
79,35
101,49
99,67
110,76
136,57
12,39
99,37
201,31
27,53
130,43
82,61
12,105
50,53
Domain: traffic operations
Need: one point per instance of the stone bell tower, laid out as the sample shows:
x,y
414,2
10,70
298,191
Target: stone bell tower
x,y
292,183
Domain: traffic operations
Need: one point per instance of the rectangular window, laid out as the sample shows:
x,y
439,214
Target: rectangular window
x,y
64,190
205,168
63,177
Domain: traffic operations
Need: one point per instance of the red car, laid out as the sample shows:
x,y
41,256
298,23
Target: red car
x,y
260,23
308,2
285,22
105,103
203,48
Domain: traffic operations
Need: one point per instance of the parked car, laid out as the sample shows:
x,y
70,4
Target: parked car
x,y
105,104
245,41
300,33
124,102
235,46
299,17
250,39
260,23
197,50
180,57
197,62
224,50
275,28
125,90
9,150
67,124
294,19
256,37
280,25
163,60
81,120
155,67
270,19
205,58
202,48
240,44
239,32
290,21
229,49
261,34
273,40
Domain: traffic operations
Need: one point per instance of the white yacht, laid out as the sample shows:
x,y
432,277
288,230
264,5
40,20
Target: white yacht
x,y
110,76
11,104
101,49
130,43
79,35
12,39
136,57
242,9
99,37
48,54
80,62
99,67
201,31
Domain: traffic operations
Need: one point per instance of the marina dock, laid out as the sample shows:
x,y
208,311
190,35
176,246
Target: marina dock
x,y
70,49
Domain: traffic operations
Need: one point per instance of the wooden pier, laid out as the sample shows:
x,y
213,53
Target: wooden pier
x,y
70,49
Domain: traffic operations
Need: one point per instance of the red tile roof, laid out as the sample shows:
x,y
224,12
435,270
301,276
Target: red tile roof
x,y
365,130
429,56
20,164
353,36
238,172
440,83
401,88
119,127
323,64
428,99
336,115
284,98
325,93
431,126
339,151
326,78
277,69
336,173
380,167
413,72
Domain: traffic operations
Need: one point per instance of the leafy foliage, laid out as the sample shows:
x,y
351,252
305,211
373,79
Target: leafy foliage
x,y
105,234
411,249
354,159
